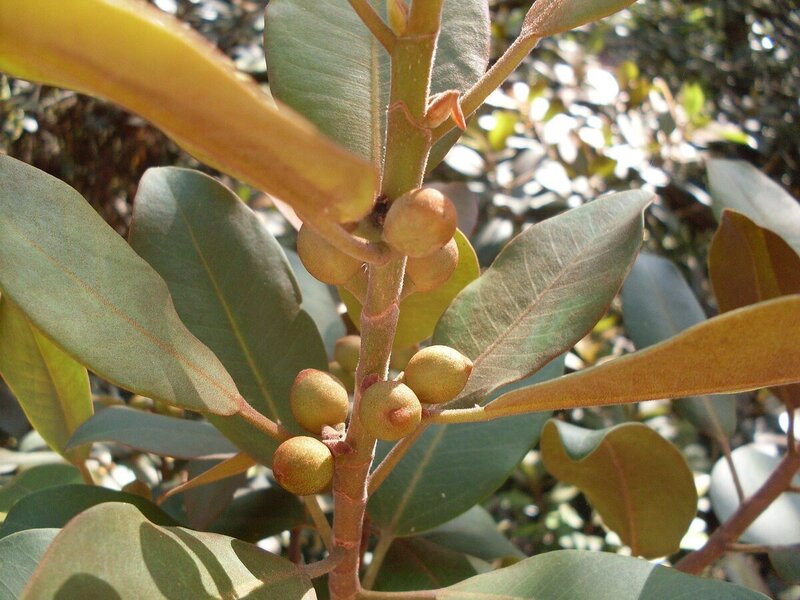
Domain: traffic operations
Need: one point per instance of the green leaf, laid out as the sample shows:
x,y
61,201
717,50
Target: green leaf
x,y
155,66
451,468
143,560
738,185
474,532
232,287
324,63
319,303
577,575
211,486
744,349
637,481
54,506
658,304
51,387
548,17
34,479
780,522
84,288
543,293
20,554
258,514
418,564
149,432
420,311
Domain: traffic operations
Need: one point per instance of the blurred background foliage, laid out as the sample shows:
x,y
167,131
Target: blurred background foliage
x,y
638,100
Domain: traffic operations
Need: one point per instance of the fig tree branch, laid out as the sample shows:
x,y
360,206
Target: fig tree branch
x,y
374,23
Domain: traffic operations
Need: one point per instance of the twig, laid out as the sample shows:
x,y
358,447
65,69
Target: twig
x,y
335,234
491,80
762,549
321,567
265,424
319,519
374,23
748,511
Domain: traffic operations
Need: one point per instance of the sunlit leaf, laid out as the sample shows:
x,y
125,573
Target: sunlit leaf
x,y
323,62
149,432
657,304
153,65
82,286
738,185
232,287
580,575
780,522
50,386
637,481
420,311
239,463
143,560
20,553
548,17
544,292
741,350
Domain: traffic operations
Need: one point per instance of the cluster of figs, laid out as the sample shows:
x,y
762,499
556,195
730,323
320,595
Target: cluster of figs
x,y
419,225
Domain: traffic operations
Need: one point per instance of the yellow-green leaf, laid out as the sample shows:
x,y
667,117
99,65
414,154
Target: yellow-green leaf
x,y
420,311
238,463
50,386
548,17
744,349
133,54
637,481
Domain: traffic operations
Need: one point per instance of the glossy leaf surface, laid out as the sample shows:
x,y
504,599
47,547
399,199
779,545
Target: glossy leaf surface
x,y
637,481
543,293
150,63
452,467
780,522
51,387
745,349
232,287
657,304
143,560
420,311
34,479
55,506
19,555
738,185
149,432
576,575
84,287
323,62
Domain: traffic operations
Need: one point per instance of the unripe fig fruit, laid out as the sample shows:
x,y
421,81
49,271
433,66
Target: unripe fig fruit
x,y
420,222
324,260
303,465
437,374
429,272
318,398
346,352
389,410
347,378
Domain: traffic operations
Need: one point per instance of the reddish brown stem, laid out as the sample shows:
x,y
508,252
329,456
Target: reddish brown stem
x,y
778,482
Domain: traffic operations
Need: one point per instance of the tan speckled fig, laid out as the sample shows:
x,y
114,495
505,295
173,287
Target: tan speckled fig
x,y
429,272
420,222
389,410
346,352
318,398
324,260
437,374
303,465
